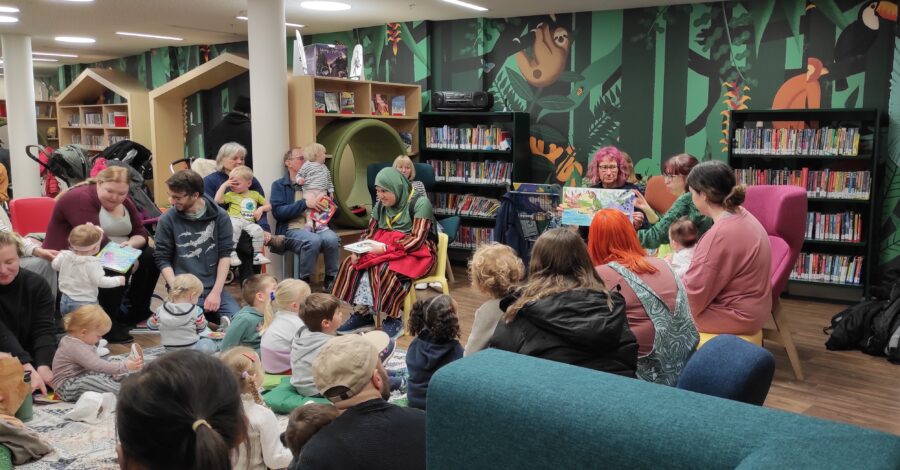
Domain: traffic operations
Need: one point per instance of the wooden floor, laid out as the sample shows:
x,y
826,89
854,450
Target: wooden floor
x,y
846,386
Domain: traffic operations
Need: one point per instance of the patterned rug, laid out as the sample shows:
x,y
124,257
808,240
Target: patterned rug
x,y
93,446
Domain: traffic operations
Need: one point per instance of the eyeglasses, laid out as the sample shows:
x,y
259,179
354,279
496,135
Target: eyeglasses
x,y
608,167
670,177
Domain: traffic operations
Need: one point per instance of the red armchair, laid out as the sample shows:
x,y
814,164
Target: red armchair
x,y
30,214
782,212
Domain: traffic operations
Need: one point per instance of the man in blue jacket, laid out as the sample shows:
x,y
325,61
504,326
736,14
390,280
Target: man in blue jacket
x,y
194,237
288,208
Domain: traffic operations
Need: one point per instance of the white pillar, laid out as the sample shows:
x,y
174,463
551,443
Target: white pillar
x,y
268,93
21,118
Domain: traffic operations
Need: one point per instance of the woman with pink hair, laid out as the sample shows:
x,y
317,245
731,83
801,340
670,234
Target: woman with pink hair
x,y
608,170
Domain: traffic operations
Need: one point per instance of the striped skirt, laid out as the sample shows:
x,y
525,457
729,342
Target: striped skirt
x,y
389,289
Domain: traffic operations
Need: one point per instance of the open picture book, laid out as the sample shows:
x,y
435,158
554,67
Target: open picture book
x,y
118,258
580,204
364,246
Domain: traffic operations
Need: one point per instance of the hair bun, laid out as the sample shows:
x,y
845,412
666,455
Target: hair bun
x,y
735,198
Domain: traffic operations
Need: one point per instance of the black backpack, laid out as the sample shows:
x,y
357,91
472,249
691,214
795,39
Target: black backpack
x,y
851,327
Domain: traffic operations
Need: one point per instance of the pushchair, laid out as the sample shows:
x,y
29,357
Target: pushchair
x,y
61,168
527,211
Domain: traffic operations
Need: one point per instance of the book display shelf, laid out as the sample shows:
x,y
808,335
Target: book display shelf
x,y
45,113
833,154
476,157
102,107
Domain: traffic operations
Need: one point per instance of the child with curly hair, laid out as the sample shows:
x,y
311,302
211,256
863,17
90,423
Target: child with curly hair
x,y
495,270
303,424
436,326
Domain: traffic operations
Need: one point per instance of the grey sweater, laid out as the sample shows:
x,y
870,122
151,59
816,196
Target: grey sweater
x,y
304,349
194,246
179,324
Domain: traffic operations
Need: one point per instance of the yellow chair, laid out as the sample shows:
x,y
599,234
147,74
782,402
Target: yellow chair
x,y
755,338
438,274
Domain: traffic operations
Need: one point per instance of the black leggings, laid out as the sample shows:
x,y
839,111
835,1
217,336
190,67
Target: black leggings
x,y
244,249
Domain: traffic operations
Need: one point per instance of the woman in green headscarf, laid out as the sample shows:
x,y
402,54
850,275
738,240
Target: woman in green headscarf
x,y
378,281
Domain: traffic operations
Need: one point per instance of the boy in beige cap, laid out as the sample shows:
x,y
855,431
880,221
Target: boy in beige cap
x,y
348,372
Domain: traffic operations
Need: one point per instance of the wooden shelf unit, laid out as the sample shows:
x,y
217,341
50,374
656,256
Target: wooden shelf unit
x,y
45,113
82,98
305,122
868,159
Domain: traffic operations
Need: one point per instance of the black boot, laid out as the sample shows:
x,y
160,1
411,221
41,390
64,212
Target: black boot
x,y
118,334
328,285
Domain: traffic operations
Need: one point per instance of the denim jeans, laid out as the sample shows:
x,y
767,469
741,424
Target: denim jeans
x,y
67,305
307,245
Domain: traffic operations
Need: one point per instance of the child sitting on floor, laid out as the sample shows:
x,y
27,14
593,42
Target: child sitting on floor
x,y
276,340
303,424
245,208
436,326
315,180
321,315
81,274
683,236
246,326
262,448
76,367
407,168
495,270
179,319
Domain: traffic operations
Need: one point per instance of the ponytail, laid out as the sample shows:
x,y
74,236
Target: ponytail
x,y
210,449
735,198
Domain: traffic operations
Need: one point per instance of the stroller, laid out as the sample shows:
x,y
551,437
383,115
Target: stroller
x,y
61,168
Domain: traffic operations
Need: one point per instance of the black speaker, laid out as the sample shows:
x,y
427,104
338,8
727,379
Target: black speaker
x,y
462,101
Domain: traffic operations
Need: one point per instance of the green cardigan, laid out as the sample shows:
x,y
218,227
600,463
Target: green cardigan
x,y
658,233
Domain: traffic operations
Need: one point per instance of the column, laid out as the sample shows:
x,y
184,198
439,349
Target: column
x,y
21,118
268,94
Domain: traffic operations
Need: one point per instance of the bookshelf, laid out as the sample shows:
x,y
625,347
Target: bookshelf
x,y
833,154
306,121
472,173
45,112
102,107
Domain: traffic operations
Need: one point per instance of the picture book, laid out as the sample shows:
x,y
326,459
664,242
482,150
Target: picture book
x,y
348,105
118,258
322,217
364,246
331,102
580,204
398,106
380,105
320,101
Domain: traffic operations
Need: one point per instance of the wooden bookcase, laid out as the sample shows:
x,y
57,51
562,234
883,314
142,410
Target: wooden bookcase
x,y
88,96
866,161
518,155
45,110
305,122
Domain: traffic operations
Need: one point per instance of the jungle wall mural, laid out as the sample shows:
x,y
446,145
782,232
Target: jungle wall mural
x,y
653,81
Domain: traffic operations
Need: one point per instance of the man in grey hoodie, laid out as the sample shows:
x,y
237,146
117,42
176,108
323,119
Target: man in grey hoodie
x,y
194,237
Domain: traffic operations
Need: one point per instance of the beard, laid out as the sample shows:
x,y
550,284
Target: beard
x,y
385,384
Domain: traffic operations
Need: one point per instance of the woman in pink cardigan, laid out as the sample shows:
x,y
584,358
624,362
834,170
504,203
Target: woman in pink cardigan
x,y
728,283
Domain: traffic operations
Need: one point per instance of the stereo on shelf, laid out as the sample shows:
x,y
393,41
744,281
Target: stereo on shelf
x,y
462,101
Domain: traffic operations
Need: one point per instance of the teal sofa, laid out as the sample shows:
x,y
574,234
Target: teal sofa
x,y
498,410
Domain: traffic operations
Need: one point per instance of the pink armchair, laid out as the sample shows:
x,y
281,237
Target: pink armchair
x,y
782,211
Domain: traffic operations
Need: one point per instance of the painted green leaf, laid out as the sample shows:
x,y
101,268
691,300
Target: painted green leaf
x,y
556,103
761,12
793,13
548,134
520,86
834,13
570,76
409,41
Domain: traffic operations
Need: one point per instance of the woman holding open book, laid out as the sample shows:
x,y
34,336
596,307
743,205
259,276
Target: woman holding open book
x,y
378,280
609,170
103,201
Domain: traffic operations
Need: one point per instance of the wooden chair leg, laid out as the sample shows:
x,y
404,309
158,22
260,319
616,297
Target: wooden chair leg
x,y
450,272
782,335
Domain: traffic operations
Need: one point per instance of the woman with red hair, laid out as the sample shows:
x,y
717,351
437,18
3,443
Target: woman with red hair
x,y
656,303
609,170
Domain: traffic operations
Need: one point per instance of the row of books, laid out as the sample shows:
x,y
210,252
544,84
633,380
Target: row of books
x,y
825,141
843,226
117,119
470,237
344,102
73,120
486,172
464,204
97,140
818,183
835,269
93,119
467,138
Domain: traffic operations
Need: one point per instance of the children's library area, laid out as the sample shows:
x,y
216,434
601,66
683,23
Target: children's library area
x,y
447,222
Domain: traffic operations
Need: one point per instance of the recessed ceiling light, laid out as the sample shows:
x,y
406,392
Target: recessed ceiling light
x,y
76,39
153,36
9,10
53,54
325,6
289,25
8,19
466,5
40,59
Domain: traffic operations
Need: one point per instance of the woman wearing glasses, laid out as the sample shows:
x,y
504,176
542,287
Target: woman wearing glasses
x,y
609,170
675,171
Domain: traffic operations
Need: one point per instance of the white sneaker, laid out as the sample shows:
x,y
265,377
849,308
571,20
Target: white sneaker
x,y
102,351
421,286
102,343
259,259
235,261
436,286
224,323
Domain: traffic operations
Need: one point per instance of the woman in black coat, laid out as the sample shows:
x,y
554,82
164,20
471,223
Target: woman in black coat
x,y
564,313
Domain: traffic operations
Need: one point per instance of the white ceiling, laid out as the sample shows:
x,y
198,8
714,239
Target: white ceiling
x,y
213,22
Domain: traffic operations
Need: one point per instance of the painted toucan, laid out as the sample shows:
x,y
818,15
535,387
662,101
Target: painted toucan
x,y
857,38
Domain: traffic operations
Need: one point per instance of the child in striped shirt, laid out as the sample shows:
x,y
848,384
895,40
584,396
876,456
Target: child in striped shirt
x,y
315,180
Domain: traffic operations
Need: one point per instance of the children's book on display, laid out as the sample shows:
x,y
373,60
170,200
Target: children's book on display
x,y
118,258
580,204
